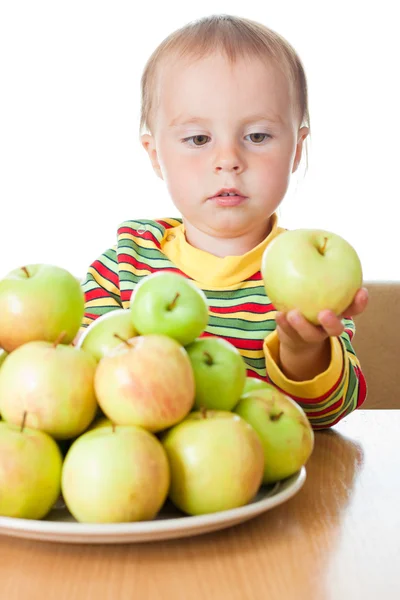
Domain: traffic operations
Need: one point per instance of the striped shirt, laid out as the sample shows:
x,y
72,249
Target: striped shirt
x,y
239,309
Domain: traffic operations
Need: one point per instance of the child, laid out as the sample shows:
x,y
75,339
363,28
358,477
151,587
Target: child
x,y
224,107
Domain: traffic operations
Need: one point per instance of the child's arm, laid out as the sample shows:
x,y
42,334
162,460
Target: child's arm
x,y
101,288
317,368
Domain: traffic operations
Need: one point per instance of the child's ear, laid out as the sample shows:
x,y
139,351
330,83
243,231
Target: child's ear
x,y
303,133
149,144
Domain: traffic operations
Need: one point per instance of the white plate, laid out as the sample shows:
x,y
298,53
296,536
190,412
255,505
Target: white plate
x,y
60,526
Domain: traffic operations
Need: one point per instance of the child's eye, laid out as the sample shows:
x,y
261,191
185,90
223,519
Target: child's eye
x,y
201,139
258,138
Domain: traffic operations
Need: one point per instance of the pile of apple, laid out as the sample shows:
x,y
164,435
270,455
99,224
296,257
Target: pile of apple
x,y
142,408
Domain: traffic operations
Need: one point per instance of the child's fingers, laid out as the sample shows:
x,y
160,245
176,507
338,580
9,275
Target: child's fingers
x,y
331,323
358,305
286,328
306,330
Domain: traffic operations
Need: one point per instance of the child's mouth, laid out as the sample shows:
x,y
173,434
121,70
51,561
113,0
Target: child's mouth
x,y
228,200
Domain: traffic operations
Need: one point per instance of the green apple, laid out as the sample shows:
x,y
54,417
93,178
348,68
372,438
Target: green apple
x,y
219,373
167,303
284,429
53,383
38,302
253,383
311,270
115,475
30,472
147,381
216,462
106,332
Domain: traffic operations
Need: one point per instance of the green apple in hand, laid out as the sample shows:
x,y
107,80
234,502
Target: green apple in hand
x,y
284,430
105,333
167,303
219,373
146,381
53,383
30,472
37,302
311,270
115,474
216,462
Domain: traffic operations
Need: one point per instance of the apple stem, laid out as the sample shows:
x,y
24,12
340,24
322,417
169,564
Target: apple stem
x,y
209,360
172,305
322,250
113,427
25,270
277,416
203,411
24,420
60,337
121,339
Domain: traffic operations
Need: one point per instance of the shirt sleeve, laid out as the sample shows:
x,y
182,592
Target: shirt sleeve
x,y
101,287
331,395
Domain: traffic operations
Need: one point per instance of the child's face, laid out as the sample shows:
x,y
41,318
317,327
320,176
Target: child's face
x,y
243,133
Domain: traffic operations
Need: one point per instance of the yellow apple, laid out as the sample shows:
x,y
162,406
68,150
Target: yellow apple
x,y
115,474
216,461
30,472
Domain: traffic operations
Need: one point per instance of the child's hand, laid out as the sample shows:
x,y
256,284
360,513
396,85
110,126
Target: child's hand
x,y
304,348
296,331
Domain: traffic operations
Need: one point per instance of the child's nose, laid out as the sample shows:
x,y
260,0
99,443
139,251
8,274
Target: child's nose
x,y
229,161
228,168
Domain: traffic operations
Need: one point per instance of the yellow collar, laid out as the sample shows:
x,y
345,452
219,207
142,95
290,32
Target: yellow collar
x,y
214,272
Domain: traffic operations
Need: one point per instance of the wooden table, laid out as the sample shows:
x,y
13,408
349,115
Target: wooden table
x,y
338,538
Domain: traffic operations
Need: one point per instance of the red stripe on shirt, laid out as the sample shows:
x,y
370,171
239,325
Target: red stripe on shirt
x,y
131,260
165,224
146,235
251,307
106,273
239,343
362,386
256,277
96,293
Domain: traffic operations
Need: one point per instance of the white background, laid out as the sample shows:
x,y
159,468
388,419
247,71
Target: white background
x,y
72,167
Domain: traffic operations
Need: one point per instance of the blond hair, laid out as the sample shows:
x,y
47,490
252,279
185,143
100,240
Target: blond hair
x,y
235,37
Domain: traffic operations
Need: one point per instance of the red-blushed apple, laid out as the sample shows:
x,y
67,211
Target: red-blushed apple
x,y
37,302
146,381
115,474
167,303
53,383
216,462
105,333
30,472
219,373
311,270
284,430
